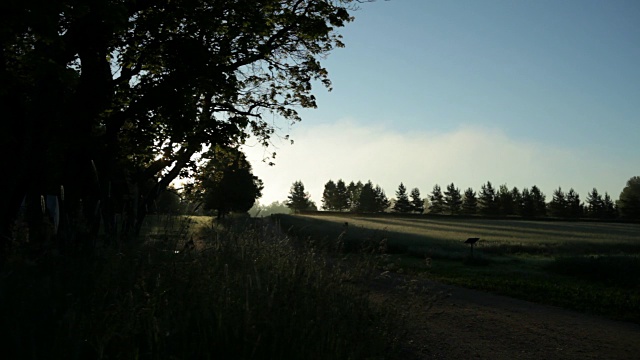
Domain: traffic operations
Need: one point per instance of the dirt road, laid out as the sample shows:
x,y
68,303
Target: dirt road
x,y
470,324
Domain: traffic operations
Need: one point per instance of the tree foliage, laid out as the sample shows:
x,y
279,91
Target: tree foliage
x,y
402,203
298,198
121,93
436,199
453,199
417,203
226,183
469,202
629,200
487,201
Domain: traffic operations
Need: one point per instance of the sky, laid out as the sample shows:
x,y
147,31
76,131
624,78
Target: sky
x,y
520,93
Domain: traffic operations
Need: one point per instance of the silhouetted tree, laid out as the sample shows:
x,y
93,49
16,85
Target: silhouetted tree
x,y
329,196
469,202
436,199
121,93
505,201
595,205
558,205
527,206
609,210
354,190
342,196
539,203
226,183
372,199
487,200
453,199
402,204
417,203
298,199
574,206
629,201
382,202
516,197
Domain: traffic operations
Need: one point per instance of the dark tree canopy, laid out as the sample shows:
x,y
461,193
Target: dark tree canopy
x,y
558,205
342,196
487,201
453,199
120,94
372,199
417,203
226,183
298,198
469,202
436,200
629,201
402,203
329,196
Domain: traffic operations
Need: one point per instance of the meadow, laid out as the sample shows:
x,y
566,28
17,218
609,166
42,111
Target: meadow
x,y
587,266
191,288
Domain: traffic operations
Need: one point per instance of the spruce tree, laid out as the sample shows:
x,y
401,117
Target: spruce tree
x,y
527,208
609,208
575,208
558,204
402,204
595,204
417,203
367,199
487,200
381,201
329,196
453,199
469,202
516,197
539,204
437,201
298,199
505,201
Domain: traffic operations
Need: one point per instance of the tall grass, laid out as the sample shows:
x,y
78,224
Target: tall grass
x,y
242,294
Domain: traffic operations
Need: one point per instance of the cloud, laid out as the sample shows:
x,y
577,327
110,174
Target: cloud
x,y
468,156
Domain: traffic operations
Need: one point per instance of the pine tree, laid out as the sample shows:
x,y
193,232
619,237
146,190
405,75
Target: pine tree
x,y
505,201
453,199
609,208
437,200
539,204
595,205
558,204
574,206
329,196
367,200
516,197
527,206
342,196
402,204
469,202
298,199
417,203
381,201
354,191
487,200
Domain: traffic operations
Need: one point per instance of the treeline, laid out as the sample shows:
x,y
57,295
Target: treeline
x,y
489,201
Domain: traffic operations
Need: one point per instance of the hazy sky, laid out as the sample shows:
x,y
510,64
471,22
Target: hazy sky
x,y
521,93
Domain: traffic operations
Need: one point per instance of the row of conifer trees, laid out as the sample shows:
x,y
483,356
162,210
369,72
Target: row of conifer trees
x,y
489,201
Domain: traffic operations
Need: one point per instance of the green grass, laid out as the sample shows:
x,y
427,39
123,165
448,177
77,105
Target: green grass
x,y
248,294
592,267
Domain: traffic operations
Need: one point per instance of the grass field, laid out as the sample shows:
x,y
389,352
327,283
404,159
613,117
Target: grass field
x,y
587,266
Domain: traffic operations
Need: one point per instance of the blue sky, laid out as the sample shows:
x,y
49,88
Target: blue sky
x,y
521,93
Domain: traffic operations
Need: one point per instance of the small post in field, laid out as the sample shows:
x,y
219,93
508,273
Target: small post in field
x,y
471,242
